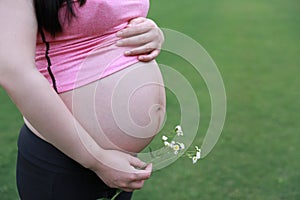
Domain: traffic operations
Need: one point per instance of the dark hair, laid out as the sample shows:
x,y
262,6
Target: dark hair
x,y
47,13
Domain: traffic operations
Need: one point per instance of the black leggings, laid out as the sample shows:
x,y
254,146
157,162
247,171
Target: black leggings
x,y
45,173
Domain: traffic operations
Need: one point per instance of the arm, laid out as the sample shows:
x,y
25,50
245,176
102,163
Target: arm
x,y
144,35
43,108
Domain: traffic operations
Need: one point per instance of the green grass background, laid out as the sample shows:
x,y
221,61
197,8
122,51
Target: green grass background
x,y
256,46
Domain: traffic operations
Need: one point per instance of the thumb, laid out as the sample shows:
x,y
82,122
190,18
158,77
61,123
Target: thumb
x,y
145,173
149,167
137,163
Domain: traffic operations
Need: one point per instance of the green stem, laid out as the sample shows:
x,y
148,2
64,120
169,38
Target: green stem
x,y
116,195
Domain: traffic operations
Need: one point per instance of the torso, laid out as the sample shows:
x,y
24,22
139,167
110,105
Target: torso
x,y
122,110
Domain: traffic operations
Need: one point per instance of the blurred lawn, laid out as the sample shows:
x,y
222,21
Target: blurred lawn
x,y
255,45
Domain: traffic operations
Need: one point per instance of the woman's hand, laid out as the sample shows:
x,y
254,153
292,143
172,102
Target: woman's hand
x,y
144,35
123,171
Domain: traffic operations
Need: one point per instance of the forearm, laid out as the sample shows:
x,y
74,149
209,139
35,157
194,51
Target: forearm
x,y
43,108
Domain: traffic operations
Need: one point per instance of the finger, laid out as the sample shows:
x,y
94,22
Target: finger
x,y
143,50
138,178
126,189
136,185
149,167
149,57
135,41
132,185
145,174
135,30
137,163
137,20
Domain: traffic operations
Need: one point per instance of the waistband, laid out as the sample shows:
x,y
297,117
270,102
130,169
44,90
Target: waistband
x,y
45,155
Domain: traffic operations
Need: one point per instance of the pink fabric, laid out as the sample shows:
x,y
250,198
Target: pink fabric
x,y
85,51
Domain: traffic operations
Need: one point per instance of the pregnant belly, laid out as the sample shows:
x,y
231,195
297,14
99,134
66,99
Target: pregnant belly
x,y
122,111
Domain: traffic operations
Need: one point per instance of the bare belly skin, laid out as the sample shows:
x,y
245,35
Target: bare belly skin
x,y
123,111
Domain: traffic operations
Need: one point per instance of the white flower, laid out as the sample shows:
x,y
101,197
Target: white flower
x,y
181,146
167,144
179,133
198,155
176,152
172,144
164,138
178,130
194,159
176,147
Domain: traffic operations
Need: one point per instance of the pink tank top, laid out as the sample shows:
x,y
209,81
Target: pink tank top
x,y
85,51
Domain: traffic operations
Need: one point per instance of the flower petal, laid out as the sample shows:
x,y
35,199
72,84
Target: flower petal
x,y
178,128
182,146
194,159
167,144
164,138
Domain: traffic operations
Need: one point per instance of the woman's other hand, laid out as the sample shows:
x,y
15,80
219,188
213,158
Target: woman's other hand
x,y
145,38
123,171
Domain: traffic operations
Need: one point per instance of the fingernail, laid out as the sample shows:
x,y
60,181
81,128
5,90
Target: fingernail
x,y
150,166
127,53
141,57
118,43
119,33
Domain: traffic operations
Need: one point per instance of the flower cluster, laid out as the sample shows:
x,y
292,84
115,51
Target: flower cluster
x,y
196,157
176,146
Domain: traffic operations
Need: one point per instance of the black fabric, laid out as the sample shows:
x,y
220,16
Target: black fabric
x,y
44,172
48,60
